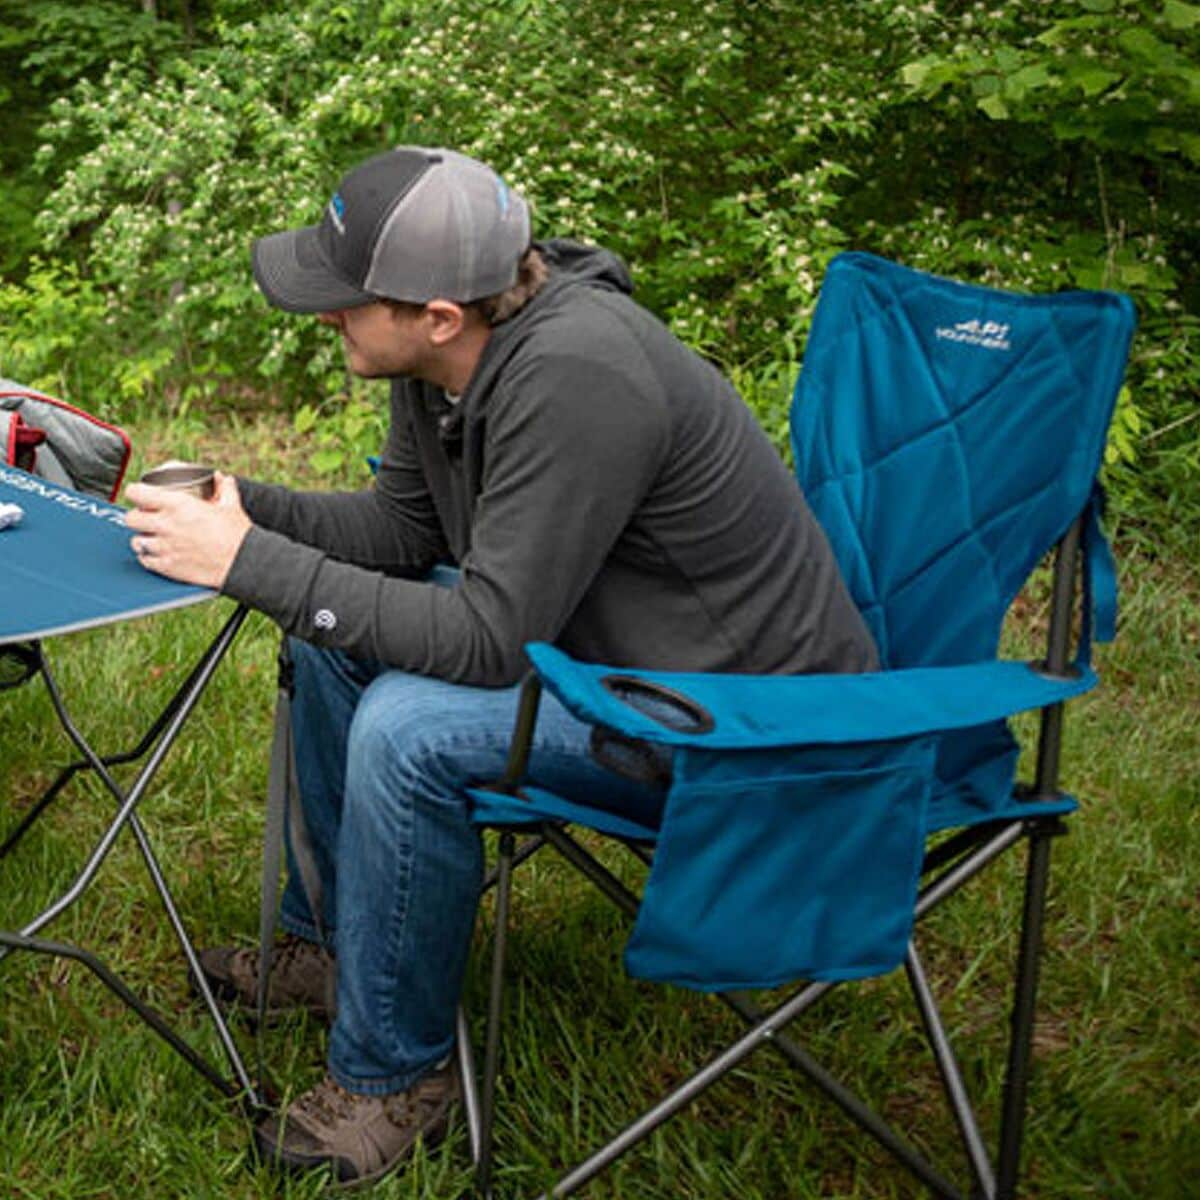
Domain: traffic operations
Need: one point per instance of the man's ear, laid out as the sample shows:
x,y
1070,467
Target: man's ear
x,y
444,321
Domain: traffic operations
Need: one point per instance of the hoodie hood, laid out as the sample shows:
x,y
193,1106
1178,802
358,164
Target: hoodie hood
x,y
572,265
573,262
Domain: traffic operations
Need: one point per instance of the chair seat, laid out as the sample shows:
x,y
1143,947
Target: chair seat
x,y
535,805
949,810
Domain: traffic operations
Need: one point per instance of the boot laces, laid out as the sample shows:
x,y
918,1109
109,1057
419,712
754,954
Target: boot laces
x,y
328,1102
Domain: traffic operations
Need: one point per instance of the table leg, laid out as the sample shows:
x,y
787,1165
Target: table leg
x,y
157,742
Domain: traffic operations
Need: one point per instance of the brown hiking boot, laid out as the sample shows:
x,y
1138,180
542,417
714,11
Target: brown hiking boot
x,y
360,1138
302,976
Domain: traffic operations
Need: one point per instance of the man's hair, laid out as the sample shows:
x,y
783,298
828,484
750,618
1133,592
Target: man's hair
x,y
532,274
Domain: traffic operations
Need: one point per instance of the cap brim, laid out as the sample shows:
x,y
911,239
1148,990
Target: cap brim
x,y
292,273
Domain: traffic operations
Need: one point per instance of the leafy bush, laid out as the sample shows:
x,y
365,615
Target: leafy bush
x,y
1098,104
60,332
724,154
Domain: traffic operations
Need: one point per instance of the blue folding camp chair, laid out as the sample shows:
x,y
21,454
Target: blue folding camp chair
x,y
947,437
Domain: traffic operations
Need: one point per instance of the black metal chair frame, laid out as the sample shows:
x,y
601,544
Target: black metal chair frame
x,y
949,865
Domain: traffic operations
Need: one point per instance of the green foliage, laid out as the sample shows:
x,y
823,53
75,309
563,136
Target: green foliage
x,y
46,47
66,42
344,431
1025,146
46,320
1119,76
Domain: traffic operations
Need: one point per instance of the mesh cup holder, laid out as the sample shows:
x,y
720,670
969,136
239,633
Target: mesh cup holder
x,y
17,664
669,708
634,758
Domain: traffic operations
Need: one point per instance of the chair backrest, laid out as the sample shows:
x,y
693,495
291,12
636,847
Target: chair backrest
x,y
946,436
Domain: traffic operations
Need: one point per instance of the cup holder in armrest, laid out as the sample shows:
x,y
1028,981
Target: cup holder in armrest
x,y
671,709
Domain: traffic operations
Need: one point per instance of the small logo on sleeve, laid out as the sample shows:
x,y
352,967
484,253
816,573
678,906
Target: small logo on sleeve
x,y
325,619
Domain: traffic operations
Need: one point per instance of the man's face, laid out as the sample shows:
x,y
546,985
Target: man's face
x,y
381,340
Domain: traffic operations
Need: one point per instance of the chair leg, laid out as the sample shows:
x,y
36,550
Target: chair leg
x,y
952,1081
865,1118
1012,1121
763,1033
470,1085
491,1057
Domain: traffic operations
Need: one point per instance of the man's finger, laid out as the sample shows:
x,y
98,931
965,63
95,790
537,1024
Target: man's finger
x,y
147,496
142,520
226,494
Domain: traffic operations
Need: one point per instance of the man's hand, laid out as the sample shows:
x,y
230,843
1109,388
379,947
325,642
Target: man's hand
x,y
177,535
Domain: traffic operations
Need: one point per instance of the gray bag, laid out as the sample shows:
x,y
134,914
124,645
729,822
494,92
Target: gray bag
x,y
59,442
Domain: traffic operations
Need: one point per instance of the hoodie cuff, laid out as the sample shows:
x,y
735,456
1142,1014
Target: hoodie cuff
x,y
273,574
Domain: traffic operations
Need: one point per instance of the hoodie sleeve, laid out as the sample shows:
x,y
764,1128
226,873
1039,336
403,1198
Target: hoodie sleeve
x,y
573,443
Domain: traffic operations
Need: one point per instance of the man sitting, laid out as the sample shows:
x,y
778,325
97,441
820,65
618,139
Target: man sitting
x,y
597,484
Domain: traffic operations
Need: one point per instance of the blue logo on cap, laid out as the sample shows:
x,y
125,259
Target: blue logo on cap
x,y
502,197
337,210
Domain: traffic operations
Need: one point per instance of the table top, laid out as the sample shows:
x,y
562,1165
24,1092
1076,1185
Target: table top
x,y
68,566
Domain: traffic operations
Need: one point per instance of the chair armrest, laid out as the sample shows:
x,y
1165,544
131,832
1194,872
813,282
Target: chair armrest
x,y
732,712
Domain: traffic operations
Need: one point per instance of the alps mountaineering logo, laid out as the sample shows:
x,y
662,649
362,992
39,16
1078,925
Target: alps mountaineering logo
x,y
990,335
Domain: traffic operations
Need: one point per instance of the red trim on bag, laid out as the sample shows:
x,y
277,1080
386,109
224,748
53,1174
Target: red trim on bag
x,y
30,394
28,439
10,451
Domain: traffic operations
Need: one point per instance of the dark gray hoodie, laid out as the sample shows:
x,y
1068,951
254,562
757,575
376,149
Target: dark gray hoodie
x,y
601,487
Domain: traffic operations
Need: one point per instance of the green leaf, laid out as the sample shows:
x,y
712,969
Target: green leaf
x,y
1181,16
1090,277
1090,80
1189,143
325,462
1141,43
1133,275
914,74
1065,32
305,419
1027,79
994,106
1007,59
1098,6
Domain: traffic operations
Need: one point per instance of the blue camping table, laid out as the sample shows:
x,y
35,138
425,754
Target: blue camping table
x,y
67,566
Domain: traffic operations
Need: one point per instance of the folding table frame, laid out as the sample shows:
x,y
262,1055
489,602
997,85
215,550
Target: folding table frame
x,y
153,749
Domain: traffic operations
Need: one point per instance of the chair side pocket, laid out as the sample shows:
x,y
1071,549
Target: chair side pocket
x,y
783,865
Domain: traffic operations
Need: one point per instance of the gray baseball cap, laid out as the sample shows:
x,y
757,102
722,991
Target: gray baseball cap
x,y
412,224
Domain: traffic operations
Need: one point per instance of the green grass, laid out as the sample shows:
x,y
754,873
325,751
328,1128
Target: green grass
x,y
93,1105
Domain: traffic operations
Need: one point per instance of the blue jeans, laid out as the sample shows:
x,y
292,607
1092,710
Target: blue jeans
x,y
383,759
